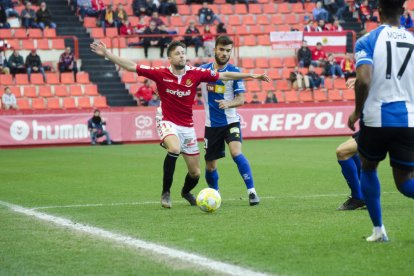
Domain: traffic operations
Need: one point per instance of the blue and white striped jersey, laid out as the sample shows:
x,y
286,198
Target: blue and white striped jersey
x,y
220,90
390,101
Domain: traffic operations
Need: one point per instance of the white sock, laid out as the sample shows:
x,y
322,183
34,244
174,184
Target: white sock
x,y
251,190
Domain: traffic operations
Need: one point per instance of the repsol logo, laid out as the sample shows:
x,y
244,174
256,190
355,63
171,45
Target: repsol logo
x,y
179,93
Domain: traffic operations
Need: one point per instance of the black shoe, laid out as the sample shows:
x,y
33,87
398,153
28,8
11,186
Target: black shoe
x,y
351,204
253,199
190,198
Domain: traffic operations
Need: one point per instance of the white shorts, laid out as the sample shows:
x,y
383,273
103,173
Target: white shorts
x,y
186,135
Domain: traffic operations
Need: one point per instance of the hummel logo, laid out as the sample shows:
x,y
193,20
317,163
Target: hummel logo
x,y
167,80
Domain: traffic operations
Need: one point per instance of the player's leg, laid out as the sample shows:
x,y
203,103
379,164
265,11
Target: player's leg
x,y
349,161
214,149
212,175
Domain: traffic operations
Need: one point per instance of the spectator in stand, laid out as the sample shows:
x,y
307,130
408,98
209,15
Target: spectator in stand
x,y
153,41
85,9
144,93
121,14
348,66
156,18
270,97
141,26
34,64
308,25
206,15
221,29
16,64
8,6
199,99
168,7
405,20
336,26
29,17
318,55
126,28
341,8
98,8
4,69
209,41
194,37
165,40
144,7
320,13
109,18
155,100
315,81
3,19
304,55
96,128
9,99
44,17
322,26
67,62
298,80
366,13
332,68
255,99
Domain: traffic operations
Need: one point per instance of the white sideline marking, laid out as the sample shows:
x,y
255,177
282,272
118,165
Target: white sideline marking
x,y
167,252
157,202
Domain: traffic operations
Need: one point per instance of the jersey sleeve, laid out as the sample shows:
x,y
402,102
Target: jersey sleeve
x,y
364,50
206,75
148,72
238,85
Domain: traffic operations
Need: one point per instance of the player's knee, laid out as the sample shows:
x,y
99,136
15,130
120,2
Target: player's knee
x,y
174,149
235,152
340,154
195,173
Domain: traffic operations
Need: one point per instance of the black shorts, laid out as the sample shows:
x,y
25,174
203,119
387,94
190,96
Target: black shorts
x,y
375,142
214,138
355,136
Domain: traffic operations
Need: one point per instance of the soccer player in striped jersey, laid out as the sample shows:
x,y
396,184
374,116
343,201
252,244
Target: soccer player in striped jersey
x,y
222,121
384,103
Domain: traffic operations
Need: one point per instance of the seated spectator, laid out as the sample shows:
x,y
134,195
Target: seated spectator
x,y
144,7
206,15
304,55
315,81
155,100
8,6
85,9
144,93
336,26
156,18
67,62
341,8
4,69
320,13
255,99
168,7
16,64
121,14
221,29
322,26
98,9
406,20
44,17
29,17
332,68
152,41
298,80
195,39
318,55
109,18
366,13
308,25
348,66
9,100
126,28
270,97
140,27
199,99
3,19
96,128
34,65
209,41
165,40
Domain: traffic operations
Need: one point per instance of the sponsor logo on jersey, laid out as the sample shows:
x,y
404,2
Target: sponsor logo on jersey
x,y
213,73
144,67
179,93
360,54
188,83
234,130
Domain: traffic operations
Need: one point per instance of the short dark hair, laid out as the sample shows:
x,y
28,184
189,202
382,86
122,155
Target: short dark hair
x,y
224,40
319,43
174,44
391,8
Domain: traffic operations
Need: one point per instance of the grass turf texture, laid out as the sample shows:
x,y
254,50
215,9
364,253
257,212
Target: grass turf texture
x,y
294,231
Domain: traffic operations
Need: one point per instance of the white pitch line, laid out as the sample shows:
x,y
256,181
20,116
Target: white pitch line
x,y
167,252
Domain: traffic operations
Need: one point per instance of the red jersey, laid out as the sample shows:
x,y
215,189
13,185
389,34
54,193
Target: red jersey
x,y
318,54
177,93
145,92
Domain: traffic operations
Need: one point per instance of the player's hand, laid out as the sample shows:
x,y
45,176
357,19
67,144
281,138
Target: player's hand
x,y
262,77
352,120
350,83
99,48
223,104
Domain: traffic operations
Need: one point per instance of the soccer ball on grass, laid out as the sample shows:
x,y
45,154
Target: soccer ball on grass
x,y
209,200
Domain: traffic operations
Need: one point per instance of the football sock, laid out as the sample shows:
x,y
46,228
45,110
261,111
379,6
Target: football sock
x,y
371,190
244,170
407,188
350,172
357,163
212,178
189,183
169,168
251,190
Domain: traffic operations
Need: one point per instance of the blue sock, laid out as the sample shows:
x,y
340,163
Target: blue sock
x,y
357,163
371,190
212,179
244,170
407,188
350,172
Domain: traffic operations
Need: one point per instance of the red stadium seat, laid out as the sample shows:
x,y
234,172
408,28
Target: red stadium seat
x,y
177,21
290,62
89,22
52,78
6,79
23,104
262,62
38,104
234,20
6,33
20,33
305,96
84,102
21,79
320,95
35,33
249,40
268,86
252,86
45,91
53,103
61,91
248,63
36,78
256,9
120,42
274,74
254,29
67,78
49,33
291,19
69,103
334,95
283,8
184,9
91,90
28,44
99,102
97,33
263,40
283,85
16,91
348,94
111,32
226,9
75,90
297,8
269,8
280,96
43,44
291,96
275,62
30,91
82,77
240,9
128,77
340,84
14,44
58,44
248,20
263,20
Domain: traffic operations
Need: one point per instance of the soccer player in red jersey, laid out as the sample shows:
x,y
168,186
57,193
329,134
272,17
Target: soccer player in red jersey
x,y
176,87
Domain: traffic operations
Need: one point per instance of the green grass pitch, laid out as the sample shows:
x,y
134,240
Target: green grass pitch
x,y
294,231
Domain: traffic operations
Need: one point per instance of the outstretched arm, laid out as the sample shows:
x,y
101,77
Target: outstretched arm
x,y
236,102
99,48
237,76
